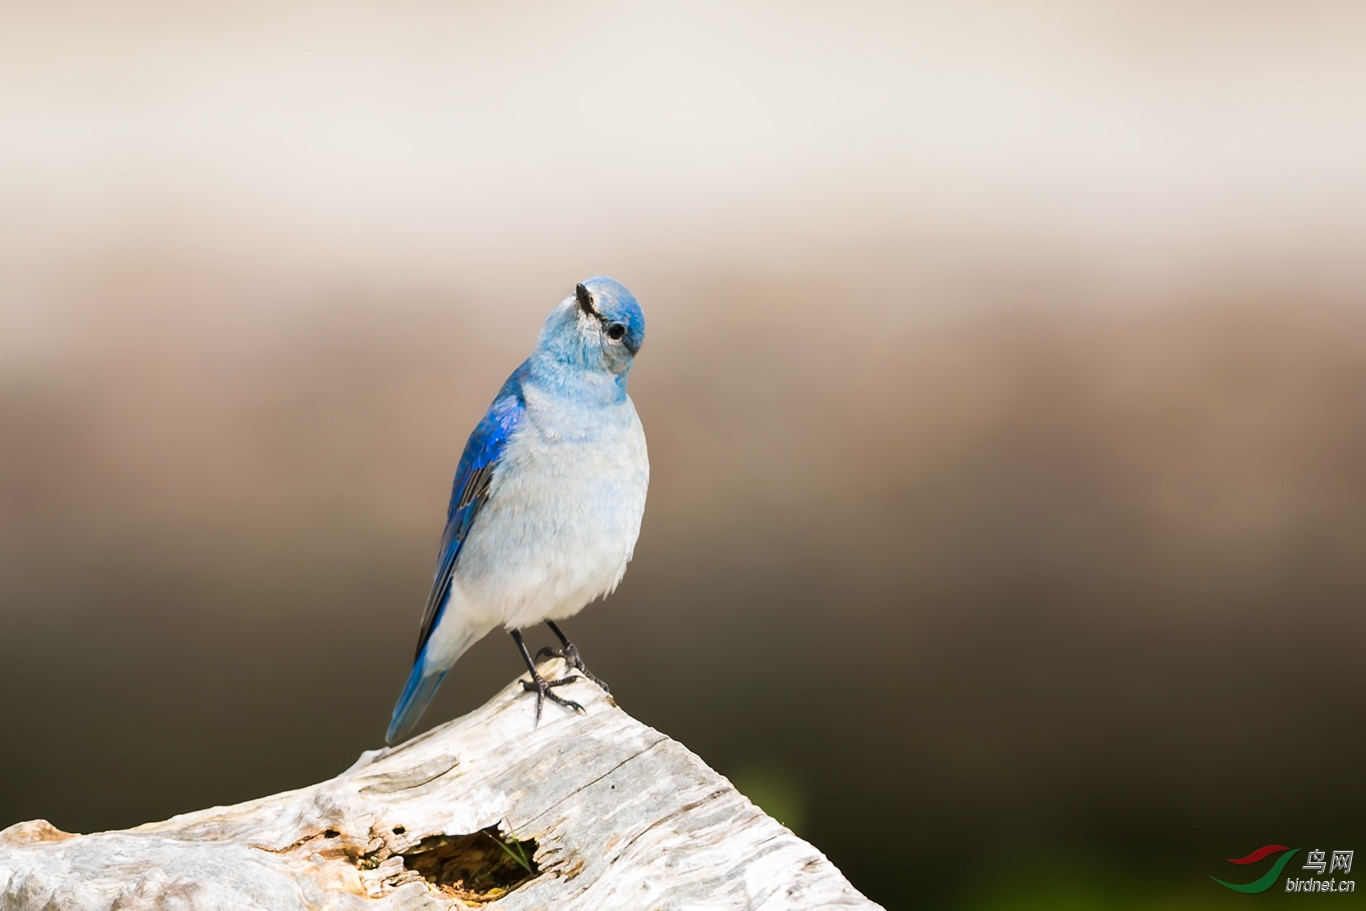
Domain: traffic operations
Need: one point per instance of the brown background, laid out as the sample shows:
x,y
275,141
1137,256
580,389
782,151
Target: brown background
x,y
1005,388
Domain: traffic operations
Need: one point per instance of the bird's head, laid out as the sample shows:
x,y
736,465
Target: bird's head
x,y
599,327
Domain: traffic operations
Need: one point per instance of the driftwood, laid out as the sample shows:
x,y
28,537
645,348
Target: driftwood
x,y
594,811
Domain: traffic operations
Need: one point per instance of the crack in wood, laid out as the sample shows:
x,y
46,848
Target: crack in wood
x,y
609,813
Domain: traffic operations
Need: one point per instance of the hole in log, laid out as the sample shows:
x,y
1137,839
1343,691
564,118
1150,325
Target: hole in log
x,y
399,830
482,867
331,833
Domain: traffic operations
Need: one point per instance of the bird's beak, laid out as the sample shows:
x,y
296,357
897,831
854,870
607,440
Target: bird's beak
x,y
586,301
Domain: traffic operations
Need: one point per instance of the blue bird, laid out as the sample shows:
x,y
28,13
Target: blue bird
x,y
547,501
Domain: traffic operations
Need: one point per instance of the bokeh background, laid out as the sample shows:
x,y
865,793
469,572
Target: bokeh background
x,y
1005,388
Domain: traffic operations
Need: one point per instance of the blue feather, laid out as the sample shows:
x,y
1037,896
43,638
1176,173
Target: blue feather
x,y
469,491
413,701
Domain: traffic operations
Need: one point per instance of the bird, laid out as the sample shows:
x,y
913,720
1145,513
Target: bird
x,y
547,501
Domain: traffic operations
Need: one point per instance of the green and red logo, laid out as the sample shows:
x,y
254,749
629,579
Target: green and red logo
x,y
1269,878
1318,863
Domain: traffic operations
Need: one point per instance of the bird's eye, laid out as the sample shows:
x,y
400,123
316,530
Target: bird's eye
x,y
616,331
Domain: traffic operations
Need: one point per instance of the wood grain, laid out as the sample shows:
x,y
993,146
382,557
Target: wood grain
x,y
610,813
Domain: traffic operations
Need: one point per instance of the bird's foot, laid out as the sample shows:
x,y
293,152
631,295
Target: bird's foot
x,y
544,689
571,656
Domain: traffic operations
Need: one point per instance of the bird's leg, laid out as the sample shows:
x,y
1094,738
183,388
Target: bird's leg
x,y
539,685
570,653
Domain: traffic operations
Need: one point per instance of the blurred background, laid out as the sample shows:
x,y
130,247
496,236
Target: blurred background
x,y
1005,388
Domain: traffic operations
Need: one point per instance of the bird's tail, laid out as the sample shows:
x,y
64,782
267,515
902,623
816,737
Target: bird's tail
x,y
416,696
430,668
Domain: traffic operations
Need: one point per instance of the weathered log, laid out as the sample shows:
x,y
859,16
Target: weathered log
x,y
592,811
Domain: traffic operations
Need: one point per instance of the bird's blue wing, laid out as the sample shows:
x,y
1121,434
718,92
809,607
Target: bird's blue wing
x,y
470,491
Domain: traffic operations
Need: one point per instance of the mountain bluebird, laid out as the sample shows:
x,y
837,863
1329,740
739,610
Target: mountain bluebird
x,y
547,501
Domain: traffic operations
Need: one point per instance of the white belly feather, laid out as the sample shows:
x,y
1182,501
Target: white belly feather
x,y
562,517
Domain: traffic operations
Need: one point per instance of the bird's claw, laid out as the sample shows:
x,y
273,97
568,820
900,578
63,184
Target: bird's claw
x,y
573,659
544,689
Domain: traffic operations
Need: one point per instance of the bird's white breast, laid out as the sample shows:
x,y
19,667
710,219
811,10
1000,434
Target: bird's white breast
x,y
563,514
